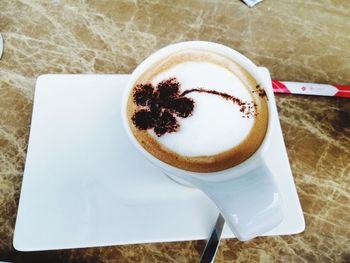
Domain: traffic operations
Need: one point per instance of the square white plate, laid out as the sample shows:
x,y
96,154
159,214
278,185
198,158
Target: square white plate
x,y
85,185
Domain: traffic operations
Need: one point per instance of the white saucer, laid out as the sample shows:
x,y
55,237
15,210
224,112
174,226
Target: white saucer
x,y
85,185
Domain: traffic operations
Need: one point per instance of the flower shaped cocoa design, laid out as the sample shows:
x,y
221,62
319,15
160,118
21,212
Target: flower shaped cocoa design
x,y
160,106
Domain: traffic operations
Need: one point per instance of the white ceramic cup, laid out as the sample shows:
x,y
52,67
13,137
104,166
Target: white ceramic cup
x,y
246,194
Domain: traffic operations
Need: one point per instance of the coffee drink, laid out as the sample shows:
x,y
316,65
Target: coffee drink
x,y
198,110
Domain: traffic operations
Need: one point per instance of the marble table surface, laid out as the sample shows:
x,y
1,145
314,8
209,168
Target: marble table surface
x,y
296,39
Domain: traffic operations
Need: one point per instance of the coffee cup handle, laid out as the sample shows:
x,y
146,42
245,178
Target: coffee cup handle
x,y
250,203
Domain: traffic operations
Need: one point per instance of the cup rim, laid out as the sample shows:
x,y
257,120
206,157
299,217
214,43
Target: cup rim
x,y
245,166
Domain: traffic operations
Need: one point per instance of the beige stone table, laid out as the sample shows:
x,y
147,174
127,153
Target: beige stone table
x,y
296,39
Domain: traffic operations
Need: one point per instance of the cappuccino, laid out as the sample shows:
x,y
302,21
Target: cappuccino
x,y
198,110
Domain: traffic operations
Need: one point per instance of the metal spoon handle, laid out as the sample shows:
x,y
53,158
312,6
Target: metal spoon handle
x,y
213,243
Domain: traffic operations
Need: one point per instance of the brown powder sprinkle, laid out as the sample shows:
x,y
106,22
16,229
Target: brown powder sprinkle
x,y
261,92
249,109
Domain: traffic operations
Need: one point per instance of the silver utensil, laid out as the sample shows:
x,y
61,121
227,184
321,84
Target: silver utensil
x,y
212,245
1,45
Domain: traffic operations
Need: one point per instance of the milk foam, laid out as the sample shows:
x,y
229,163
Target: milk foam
x,y
217,124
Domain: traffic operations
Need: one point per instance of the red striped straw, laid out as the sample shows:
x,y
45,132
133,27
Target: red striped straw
x,y
310,89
